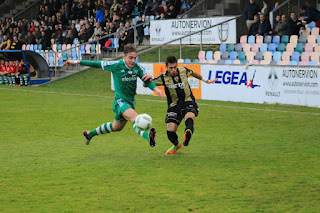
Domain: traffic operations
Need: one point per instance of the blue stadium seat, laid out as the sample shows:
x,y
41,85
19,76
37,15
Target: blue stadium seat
x,y
40,47
195,61
209,55
32,47
276,56
263,48
76,41
318,39
228,62
82,49
272,47
251,40
35,47
187,60
220,61
293,63
299,48
276,40
295,56
274,62
93,48
233,56
59,47
302,39
313,63
223,48
311,25
60,62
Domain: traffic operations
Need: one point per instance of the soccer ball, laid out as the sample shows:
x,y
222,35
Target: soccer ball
x,y
143,122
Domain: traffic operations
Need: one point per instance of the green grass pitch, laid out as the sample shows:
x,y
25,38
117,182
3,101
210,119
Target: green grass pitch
x,y
242,157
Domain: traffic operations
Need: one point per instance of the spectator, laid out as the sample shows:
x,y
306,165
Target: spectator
x,y
265,9
115,7
140,30
99,15
16,44
97,32
112,29
282,27
148,6
255,26
78,25
172,12
252,9
294,25
120,31
30,39
83,36
1,36
128,36
312,15
275,24
69,37
127,9
74,31
89,30
264,27
44,41
161,17
57,35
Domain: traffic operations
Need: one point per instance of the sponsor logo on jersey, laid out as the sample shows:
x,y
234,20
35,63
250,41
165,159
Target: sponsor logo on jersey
x,y
172,114
180,85
132,78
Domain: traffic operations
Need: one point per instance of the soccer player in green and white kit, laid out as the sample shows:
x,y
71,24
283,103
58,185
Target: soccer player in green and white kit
x,y
125,73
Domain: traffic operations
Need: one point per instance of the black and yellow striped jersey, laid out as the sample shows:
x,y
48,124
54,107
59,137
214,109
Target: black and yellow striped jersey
x,y
177,88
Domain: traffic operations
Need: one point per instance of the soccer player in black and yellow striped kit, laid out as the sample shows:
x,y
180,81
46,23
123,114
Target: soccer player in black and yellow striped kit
x,y
181,103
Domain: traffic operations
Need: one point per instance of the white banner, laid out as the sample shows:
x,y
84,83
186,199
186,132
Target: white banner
x,y
283,85
234,84
162,31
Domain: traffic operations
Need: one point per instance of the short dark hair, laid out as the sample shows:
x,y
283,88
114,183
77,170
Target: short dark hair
x,y
304,7
171,60
128,48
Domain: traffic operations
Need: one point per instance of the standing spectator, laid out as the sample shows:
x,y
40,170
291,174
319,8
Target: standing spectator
x,y
266,8
282,27
89,30
74,31
312,15
265,26
294,25
255,26
127,9
99,15
115,7
252,9
140,30
83,36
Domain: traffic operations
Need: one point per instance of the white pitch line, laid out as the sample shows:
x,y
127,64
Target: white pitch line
x,y
212,105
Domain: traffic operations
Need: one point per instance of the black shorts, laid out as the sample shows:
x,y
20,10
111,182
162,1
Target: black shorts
x,y
176,113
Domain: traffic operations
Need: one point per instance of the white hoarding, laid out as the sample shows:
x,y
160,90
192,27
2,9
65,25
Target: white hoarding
x,y
162,31
283,85
235,83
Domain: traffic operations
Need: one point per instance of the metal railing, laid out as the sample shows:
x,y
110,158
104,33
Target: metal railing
x,y
282,7
31,12
197,9
190,34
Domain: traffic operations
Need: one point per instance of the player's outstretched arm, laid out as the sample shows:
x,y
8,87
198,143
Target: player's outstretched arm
x,y
198,76
96,64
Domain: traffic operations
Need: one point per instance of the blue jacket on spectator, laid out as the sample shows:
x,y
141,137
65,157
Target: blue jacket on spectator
x,y
99,16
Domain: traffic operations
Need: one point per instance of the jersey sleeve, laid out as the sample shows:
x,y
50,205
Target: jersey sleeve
x,y
158,81
188,71
142,72
105,65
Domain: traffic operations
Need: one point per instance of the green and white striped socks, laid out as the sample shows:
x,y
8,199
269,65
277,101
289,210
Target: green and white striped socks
x,y
144,134
103,129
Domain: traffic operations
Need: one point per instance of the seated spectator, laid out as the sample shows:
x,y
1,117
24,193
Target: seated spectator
x,y
264,27
148,6
120,31
89,30
111,30
161,17
57,35
97,32
30,39
172,13
255,26
83,36
44,41
78,25
282,27
69,37
312,15
115,7
277,20
74,31
16,44
294,25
